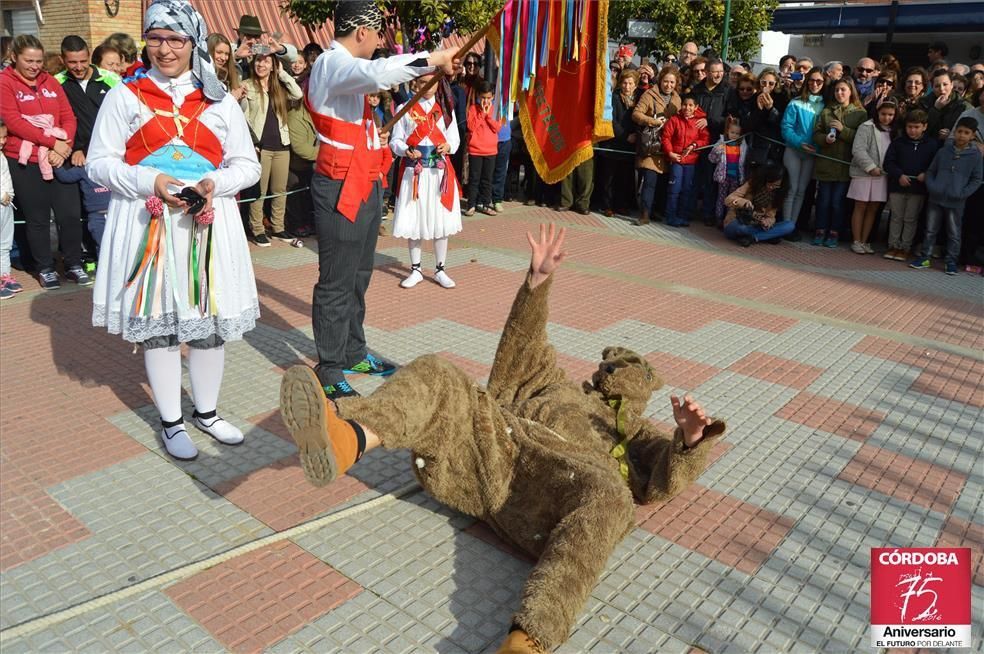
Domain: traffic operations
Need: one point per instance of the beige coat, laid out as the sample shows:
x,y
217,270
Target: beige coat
x,y
650,107
255,104
530,454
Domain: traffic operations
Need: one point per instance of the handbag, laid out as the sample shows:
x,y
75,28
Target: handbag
x,y
650,141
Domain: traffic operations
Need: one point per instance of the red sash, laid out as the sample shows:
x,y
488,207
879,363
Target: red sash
x,y
168,122
359,167
428,126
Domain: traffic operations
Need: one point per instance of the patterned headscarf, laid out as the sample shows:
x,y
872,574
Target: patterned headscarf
x,y
357,13
179,16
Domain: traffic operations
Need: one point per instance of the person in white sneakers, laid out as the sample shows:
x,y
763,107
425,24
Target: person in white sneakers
x,y
174,149
427,205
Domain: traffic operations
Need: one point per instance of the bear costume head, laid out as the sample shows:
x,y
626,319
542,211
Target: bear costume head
x,y
625,375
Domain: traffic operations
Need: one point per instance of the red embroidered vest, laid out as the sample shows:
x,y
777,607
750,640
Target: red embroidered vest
x,y
359,167
428,126
168,123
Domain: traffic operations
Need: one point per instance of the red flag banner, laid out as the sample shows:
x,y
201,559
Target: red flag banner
x,y
553,64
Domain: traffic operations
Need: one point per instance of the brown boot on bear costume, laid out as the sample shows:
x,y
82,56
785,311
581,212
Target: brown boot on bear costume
x,y
328,445
552,466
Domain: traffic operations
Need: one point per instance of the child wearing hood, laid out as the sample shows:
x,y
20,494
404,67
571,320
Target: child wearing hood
x,y
681,139
954,176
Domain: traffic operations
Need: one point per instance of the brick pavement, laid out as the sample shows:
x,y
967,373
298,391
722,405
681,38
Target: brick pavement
x,y
853,388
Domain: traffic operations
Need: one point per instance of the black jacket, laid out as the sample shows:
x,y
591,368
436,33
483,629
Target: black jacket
x,y
907,157
712,102
85,104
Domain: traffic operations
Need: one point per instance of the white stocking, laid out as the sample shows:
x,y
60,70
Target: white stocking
x,y
164,374
414,244
441,250
205,370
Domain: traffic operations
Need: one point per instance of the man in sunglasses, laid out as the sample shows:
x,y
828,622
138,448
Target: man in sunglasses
x,y
864,76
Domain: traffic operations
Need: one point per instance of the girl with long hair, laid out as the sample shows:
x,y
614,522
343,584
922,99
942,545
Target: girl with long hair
x,y
797,133
869,186
833,135
220,49
753,208
269,91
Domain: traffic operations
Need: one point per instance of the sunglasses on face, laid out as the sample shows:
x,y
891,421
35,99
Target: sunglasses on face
x,y
886,82
471,64
866,70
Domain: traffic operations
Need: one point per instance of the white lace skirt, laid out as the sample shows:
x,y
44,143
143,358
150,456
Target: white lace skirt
x,y
425,218
233,284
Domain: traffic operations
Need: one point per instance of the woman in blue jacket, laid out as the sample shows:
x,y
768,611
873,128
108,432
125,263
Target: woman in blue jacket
x,y
797,132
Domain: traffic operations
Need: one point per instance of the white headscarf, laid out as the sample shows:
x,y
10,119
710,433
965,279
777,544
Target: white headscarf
x,y
179,16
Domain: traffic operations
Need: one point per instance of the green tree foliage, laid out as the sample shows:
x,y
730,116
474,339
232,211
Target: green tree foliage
x,y
679,21
468,15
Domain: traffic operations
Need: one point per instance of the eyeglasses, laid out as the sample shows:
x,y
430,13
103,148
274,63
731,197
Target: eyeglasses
x,y
175,42
815,80
471,64
865,70
887,82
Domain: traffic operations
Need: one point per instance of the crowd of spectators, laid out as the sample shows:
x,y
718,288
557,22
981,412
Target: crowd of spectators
x,y
814,147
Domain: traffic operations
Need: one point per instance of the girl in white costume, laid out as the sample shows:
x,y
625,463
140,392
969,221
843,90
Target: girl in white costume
x,y
427,206
167,277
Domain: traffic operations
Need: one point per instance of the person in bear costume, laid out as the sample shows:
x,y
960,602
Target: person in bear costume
x,y
551,466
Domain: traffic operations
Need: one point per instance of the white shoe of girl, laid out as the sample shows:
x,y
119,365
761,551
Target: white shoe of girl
x,y
443,279
178,443
415,278
221,430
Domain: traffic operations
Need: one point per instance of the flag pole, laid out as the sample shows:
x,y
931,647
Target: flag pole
x,y
438,76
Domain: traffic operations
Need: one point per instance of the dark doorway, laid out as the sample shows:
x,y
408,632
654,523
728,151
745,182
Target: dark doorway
x,y
908,54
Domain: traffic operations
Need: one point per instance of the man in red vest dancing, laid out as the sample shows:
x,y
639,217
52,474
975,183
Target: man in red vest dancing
x,y
347,184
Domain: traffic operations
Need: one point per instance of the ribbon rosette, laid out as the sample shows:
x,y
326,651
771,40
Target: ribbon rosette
x,y
206,217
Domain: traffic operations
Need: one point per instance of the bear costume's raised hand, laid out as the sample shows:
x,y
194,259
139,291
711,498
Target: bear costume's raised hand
x,y
552,466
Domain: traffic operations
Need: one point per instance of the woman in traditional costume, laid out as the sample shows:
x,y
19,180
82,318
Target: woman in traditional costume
x,y
174,270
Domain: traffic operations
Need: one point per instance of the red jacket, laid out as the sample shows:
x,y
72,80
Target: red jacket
x,y
680,132
483,132
18,98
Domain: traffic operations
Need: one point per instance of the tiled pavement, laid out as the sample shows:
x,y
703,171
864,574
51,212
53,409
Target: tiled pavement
x,y
853,388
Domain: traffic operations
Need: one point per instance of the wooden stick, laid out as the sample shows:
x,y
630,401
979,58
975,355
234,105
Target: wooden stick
x,y
438,76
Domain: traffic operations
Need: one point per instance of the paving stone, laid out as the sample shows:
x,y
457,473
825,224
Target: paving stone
x,y
149,622
139,530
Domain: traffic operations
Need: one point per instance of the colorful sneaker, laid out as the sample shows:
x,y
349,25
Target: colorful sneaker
x,y
818,238
950,268
340,389
920,263
77,274
5,292
371,366
831,241
9,282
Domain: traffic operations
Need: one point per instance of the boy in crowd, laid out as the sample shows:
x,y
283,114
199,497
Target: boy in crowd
x,y
906,162
953,177
483,147
684,132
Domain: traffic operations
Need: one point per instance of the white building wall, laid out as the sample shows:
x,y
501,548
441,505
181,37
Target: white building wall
x,y
851,47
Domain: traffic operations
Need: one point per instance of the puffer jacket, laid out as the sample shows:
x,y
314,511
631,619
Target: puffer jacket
x,y
681,132
869,149
255,105
798,121
652,105
954,175
851,116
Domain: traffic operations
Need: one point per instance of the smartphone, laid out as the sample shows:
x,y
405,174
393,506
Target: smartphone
x,y
260,49
645,62
796,77
195,200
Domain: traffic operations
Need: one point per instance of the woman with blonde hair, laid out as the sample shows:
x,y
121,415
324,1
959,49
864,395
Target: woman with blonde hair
x,y
269,90
220,50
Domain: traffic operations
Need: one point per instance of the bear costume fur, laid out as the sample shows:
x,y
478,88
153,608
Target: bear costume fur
x,y
531,455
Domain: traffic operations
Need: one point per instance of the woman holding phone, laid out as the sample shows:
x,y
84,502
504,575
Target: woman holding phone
x,y
174,149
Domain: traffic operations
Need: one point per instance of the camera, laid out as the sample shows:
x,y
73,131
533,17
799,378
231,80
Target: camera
x,y
796,77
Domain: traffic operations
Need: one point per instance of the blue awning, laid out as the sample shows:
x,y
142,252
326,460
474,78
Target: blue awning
x,y
858,19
